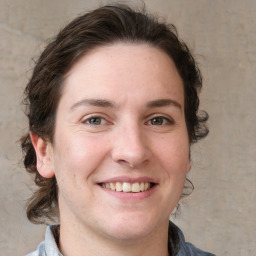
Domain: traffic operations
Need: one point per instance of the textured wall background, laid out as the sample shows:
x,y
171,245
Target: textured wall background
x,y
220,215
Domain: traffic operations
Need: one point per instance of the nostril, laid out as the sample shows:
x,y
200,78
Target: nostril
x,y
125,162
130,149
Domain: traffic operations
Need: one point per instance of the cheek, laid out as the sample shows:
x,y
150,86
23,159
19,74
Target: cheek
x,y
174,156
79,156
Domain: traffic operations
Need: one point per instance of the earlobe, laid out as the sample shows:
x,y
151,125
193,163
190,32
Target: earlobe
x,y
189,162
188,166
43,151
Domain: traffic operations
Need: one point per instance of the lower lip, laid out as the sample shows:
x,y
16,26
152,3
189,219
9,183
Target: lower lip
x,y
130,196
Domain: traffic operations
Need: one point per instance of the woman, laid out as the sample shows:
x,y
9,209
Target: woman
x,y
113,109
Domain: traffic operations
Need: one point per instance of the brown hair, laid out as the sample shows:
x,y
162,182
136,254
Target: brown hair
x,y
105,25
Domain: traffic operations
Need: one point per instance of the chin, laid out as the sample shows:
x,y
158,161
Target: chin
x,y
129,234
133,227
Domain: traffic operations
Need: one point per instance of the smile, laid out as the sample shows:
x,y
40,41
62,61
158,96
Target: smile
x,y
128,187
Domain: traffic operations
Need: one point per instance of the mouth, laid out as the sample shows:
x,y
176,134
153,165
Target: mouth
x,y
127,187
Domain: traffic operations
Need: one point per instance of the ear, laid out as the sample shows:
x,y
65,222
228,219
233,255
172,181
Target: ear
x,y
44,160
189,161
188,166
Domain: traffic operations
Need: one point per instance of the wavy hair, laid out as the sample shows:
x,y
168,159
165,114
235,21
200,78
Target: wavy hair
x,y
102,26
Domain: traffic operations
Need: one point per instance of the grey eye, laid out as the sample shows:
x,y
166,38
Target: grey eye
x,y
160,120
95,121
157,121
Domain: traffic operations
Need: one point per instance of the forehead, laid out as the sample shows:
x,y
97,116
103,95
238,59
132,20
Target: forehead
x,y
123,52
125,67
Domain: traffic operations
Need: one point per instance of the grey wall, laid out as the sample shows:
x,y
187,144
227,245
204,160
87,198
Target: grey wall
x,y
220,214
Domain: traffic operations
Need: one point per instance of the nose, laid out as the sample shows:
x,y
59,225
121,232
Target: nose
x,y
130,146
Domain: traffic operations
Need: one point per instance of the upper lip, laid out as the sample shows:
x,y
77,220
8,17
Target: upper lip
x,y
128,179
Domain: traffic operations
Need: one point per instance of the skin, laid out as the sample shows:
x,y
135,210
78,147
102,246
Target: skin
x,y
120,117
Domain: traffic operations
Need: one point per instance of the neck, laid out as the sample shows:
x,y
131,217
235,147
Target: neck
x,y
78,241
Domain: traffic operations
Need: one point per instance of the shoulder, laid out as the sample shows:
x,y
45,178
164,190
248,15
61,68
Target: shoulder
x,y
49,246
188,249
40,250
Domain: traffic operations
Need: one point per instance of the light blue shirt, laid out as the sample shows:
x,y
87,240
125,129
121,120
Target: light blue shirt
x,y
49,247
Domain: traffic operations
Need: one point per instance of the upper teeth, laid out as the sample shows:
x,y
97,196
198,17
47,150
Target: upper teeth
x,y
126,186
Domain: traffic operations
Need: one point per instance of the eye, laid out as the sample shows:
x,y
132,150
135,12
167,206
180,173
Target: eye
x,y
95,121
160,120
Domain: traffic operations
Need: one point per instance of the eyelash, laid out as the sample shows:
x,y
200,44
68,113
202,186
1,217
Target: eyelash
x,y
164,119
87,120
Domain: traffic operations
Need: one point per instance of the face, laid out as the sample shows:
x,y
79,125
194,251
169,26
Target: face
x,y
120,152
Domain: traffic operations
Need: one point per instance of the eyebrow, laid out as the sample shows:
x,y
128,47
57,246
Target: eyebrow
x,y
162,103
109,104
93,102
